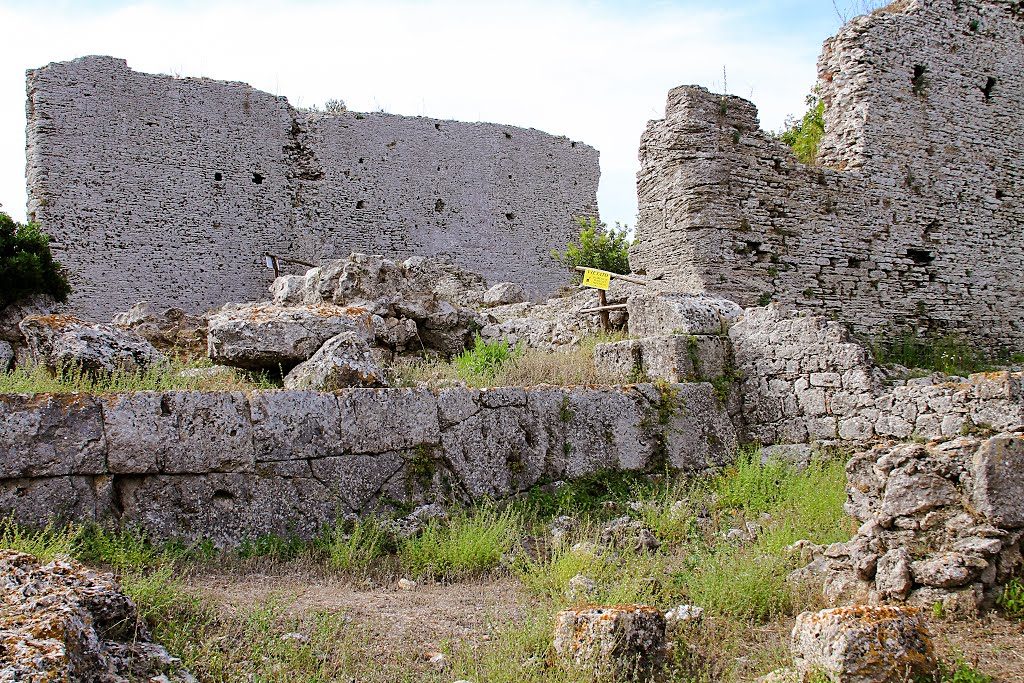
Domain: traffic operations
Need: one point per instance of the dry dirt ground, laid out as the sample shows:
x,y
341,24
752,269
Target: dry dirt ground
x,y
420,621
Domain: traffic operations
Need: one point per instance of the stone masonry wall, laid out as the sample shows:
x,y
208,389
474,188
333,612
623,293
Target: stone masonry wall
x,y
229,465
913,217
801,378
170,190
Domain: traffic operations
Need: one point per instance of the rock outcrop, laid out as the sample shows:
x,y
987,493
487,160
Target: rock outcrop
x,y
624,641
62,341
62,622
168,329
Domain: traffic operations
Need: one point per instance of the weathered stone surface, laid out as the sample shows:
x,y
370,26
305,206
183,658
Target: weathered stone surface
x,y
310,185
863,644
38,501
553,324
948,570
686,358
6,356
48,436
268,336
61,622
343,361
893,579
998,470
178,432
380,420
168,329
907,494
868,235
697,430
654,314
621,361
63,341
623,640
12,315
504,293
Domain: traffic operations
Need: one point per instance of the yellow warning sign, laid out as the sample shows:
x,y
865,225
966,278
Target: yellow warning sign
x,y
598,279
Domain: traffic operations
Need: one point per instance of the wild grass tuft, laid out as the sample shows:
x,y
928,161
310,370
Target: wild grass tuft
x,y
44,544
466,545
949,354
37,379
354,547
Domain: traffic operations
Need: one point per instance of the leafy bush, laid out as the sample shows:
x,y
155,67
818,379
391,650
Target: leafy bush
x,y
485,359
1011,600
599,247
804,136
26,265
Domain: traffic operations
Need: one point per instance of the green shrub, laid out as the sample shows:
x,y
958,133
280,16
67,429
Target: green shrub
x,y
43,544
961,672
485,359
1011,600
599,247
26,265
469,544
804,136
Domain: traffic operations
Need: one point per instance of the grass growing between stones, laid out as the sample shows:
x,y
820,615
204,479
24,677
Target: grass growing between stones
x,y
175,375
948,354
496,364
202,605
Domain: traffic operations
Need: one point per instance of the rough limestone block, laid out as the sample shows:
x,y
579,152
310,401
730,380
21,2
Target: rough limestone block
x,y
357,479
37,502
59,341
862,644
999,480
343,361
618,361
653,314
295,425
686,358
623,640
698,432
227,508
604,429
178,432
381,420
266,336
50,435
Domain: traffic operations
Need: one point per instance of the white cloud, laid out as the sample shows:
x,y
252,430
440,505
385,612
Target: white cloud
x,y
572,68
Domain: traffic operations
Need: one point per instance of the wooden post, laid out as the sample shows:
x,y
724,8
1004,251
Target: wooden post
x,y
606,321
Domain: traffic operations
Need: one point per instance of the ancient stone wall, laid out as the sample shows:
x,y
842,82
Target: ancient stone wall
x,y
169,190
912,218
801,378
229,465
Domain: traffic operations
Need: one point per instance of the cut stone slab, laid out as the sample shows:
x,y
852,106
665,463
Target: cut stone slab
x,y
623,640
863,644
48,435
504,293
266,336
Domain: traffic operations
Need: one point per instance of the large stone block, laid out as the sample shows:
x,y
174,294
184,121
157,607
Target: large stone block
x,y
36,502
622,641
296,425
999,480
686,358
863,644
267,336
178,432
653,314
49,435
380,420
697,430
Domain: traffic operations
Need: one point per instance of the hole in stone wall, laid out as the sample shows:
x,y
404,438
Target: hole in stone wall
x,y
360,204
853,262
919,82
439,205
221,494
165,406
986,89
921,257
218,176
573,145
257,178
437,126
508,136
362,160
1000,194
510,216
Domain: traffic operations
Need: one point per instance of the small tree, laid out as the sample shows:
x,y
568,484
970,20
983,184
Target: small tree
x,y
26,264
804,136
599,247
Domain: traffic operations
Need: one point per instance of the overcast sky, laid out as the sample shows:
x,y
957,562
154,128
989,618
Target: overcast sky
x,y
593,70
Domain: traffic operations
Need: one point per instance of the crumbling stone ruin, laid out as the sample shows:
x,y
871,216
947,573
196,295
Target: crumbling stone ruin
x,y
170,190
912,216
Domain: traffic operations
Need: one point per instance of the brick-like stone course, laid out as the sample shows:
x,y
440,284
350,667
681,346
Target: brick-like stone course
x,y
913,217
170,189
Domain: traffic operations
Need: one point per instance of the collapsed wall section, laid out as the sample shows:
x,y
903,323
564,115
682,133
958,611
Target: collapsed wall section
x,y
229,466
169,190
911,220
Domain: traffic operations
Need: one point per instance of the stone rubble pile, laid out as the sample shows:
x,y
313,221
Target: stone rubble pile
x,y
168,329
62,622
61,341
941,523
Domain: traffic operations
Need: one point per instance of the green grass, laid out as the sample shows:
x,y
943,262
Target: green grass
x,y
45,544
948,354
355,547
466,545
1011,600
37,379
